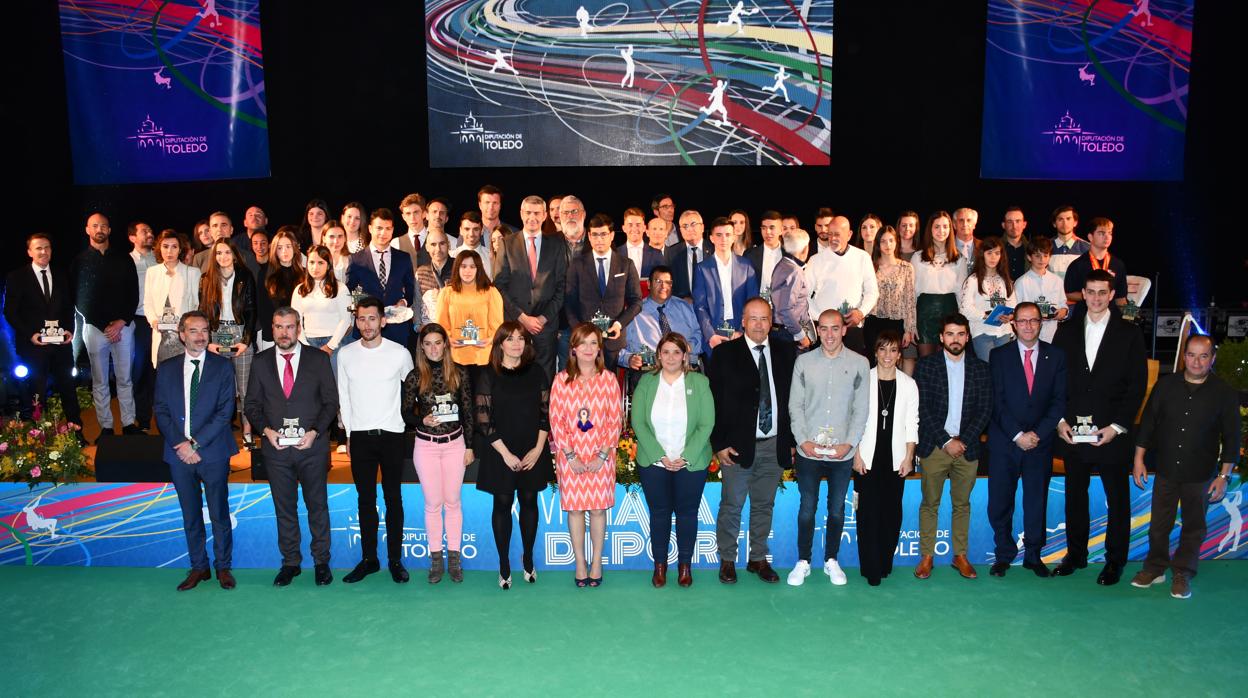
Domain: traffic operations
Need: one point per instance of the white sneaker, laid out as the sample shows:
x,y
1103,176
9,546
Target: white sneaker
x,y
834,572
799,574
342,448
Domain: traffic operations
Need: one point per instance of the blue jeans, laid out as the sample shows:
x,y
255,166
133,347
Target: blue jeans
x,y
667,492
985,343
319,342
809,473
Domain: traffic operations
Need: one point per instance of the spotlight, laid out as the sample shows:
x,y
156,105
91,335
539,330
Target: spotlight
x,y
74,372
20,371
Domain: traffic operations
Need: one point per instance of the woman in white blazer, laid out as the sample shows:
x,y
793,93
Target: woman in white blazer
x,y
885,457
169,289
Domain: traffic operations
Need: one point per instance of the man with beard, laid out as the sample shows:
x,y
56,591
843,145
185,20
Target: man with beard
x,y
292,400
142,374
470,238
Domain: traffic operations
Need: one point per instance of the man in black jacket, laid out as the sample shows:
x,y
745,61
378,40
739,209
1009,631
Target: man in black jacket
x,y
750,379
36,295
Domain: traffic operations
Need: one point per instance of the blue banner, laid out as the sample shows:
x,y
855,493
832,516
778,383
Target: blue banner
x,y
140,525
1086,89
165,91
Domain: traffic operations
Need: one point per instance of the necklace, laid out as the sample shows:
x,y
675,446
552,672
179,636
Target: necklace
x,y
885,399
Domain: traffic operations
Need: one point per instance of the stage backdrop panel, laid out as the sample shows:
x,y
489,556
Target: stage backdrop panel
x,y
595,82
140,525
165,91
1086,89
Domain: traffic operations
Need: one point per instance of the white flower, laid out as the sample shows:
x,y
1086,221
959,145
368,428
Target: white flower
x,y
55,455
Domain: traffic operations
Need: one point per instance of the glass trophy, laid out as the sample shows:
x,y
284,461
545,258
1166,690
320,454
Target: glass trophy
x,y
445,409
1085,432
168,322
996,299
357,295
291,433
601,321
844,311
52,333
725,329
227,335
648,358
826,441
765,294
1047,310
470,334
1130,311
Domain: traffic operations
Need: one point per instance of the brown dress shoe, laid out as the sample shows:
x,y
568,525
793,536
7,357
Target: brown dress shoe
x,y
963,566
659,579
193,578
226,579
685,574
764,571
924,569
727,572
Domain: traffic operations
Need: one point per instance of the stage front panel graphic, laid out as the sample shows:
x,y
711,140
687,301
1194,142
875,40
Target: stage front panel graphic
x,y
165,91
557,83
1086,89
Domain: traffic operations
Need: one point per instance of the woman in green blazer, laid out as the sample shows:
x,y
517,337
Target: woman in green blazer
x,y
672,417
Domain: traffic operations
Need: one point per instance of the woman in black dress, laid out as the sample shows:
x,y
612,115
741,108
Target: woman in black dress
x,y
517,462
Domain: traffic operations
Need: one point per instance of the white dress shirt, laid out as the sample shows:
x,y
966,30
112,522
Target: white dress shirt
x,y
281,362
670,416
1032,287
188,370
771,371
142,262
635,255
725,284
39,278
377,256
1093,333
770,259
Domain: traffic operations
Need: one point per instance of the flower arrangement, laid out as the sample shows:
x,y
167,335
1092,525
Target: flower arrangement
x,y
626,460
43,449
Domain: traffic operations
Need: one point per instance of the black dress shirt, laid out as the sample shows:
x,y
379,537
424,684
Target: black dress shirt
x,y
1188,425
106,285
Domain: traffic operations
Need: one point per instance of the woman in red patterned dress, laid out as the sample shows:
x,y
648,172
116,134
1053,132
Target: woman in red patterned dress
x,y
585,419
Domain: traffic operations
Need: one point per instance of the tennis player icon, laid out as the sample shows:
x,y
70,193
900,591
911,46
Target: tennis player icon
x,y
629,67
716,103
582,18
734,17
500,61
1231,503
779,84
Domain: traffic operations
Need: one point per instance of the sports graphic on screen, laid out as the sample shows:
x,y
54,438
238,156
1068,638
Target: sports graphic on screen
x,y
594,82
1086,89
163,91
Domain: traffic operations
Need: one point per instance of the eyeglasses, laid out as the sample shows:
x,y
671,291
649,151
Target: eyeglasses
x,y
1027,322
690,225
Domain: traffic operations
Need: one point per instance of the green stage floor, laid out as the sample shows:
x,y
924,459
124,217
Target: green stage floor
x,y
122,631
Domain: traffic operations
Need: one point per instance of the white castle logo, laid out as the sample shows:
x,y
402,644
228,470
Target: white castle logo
x,y
149,136
1068,132
472,131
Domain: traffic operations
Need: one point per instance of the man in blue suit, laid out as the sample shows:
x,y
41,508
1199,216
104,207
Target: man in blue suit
x,y
194,405
721,286
383,274
685,256
635,248
1028,400
602,281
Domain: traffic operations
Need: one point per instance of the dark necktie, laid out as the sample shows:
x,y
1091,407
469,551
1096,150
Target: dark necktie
x,y
381,271
693,262
602,277
194,393
764,391
47,287
665,327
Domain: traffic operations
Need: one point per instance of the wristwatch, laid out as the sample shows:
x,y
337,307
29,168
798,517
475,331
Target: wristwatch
x,y
1226,476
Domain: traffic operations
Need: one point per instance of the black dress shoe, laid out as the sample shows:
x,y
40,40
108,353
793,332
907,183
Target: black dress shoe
x,y
284,575
764,571
323,576
1041,569
399,573
1067,567
727,572
133,430
362,570
1110,575
193,578
999,568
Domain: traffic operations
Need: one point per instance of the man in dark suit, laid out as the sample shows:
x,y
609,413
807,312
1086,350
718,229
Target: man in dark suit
x,y
606,282
780,279
533,288
35,294
955,400
635,248
1105,385
716,309
383,274
750,378
194,405
1029,395
684,256
292,400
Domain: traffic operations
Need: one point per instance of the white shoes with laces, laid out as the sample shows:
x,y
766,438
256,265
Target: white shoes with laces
x,y
834,572
799,574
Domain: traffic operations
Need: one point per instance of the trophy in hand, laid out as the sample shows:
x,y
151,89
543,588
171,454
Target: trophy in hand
x,y
601,321
1130,311
826,441
1085,432
357,295
291,433
648,358
52,333
168,321
227,335
844,310
470,334
1047,310
725,330
445,409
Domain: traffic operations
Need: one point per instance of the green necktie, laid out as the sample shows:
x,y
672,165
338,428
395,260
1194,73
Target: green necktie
x,y
194,394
